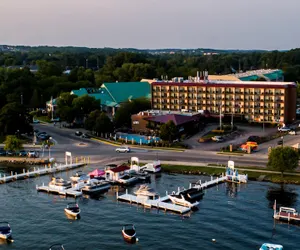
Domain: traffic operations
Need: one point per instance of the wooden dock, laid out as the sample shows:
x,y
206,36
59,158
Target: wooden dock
x,y
211,183
66,192
38,171
158,203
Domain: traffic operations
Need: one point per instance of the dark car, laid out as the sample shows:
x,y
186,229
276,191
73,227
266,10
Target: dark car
x,y
10,153
85,136
44,137
78,133
22,153
2,152
280,142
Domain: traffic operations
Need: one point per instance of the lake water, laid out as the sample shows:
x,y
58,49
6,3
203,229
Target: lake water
x,y
237,216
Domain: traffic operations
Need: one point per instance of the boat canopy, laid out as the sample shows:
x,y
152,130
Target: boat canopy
x,y
97,173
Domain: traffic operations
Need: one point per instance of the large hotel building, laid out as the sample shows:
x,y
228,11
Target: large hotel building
x,y
268,102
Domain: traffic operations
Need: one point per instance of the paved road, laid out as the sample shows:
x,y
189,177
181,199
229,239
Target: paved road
x,y
103,153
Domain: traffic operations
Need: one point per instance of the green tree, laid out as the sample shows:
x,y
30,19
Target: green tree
x,y
283,159
35,100
13,143
103,124
90,122
85,104
168,131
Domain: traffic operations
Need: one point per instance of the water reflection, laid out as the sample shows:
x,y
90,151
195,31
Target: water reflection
x,y
232,189
283,195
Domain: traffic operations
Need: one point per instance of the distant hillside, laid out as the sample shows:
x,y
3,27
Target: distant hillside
x,y
72,49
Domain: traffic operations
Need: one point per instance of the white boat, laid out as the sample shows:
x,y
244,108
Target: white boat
x,y
94,186
179,199
154,167
270,246
57,247
147,192
77,176
5,231
73,209
59,184
128,179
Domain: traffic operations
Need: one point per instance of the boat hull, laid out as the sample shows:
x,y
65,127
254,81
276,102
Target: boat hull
x,y
183,202
70,212
129,238
6,236
99,189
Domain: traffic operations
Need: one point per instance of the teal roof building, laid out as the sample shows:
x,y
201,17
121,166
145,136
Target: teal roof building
x,y
114,93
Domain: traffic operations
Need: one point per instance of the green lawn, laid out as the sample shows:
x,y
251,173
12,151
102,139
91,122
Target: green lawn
x,y
43,119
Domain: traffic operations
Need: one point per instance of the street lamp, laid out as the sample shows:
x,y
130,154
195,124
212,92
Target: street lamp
x,y
282,141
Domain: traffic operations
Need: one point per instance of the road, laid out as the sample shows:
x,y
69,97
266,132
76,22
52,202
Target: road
x,y
66,140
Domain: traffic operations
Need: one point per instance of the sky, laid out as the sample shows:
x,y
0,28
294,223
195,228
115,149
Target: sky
x,y
152,24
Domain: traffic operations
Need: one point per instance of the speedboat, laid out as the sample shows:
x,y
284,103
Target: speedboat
x,y
93,186
77,175
57,247
147,192
270,246
128,179
73,209
5,231
129,233
154,167
179,199
59,184
192,194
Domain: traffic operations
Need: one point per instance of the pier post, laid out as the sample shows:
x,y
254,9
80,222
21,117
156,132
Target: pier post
x,y
190,185
217,179
200,182
0,175
211,178
166,193
4,178
126,191
34,169
23,171
178,189
11,173
117,194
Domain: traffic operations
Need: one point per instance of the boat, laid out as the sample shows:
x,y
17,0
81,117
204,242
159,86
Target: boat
x,y
192,194
286,214
94,186
147,192
141,175
5,231
97,174
59,184
129,233
128,179
270,246
154,167
57,247
77,176
180,199
73,209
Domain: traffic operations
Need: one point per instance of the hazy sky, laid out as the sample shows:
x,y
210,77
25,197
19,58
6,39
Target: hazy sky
x,y
240,24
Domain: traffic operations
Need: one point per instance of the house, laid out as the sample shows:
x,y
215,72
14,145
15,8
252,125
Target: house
x,y
114,174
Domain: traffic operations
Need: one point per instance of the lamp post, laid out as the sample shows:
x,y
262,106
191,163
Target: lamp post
x,y
282,141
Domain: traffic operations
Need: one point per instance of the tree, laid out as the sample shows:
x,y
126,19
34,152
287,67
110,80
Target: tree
x,y
283,159
168,131
85,104
103,124
13,143
35,100
90,122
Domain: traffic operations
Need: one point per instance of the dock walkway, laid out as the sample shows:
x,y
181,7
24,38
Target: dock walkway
x,y
37,171
73,191
159,203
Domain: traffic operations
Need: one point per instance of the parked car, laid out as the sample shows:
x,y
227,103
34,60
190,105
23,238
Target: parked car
x,y
254,138
35,121
217,138
55,120
10,153
44,137
85,136
123,150
41,133
292,132
33,154
22,153
284,129
78,133
2,152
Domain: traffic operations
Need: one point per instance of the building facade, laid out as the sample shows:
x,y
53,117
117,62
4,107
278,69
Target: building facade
x,y
267,102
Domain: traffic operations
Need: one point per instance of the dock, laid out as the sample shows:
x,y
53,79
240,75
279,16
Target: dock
x,y
38,171
73,191
159,203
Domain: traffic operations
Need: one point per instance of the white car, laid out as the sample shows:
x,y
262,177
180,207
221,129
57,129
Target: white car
x,y
123,150
284,129
217,138
33,154
292,132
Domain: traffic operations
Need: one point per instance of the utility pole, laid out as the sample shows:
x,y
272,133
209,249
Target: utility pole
x,y
21,98
220,116
52,108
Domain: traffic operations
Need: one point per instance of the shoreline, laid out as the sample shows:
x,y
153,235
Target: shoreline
x,y
254,174
22,161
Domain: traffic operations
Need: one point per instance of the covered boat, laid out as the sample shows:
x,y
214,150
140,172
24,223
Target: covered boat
x,y
57,247
97,174
154,167
94,186
5,231
270,246
77,176
73,209
129,233
128,179
59,183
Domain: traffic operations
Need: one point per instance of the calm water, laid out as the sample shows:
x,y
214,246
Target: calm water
x,y
237,216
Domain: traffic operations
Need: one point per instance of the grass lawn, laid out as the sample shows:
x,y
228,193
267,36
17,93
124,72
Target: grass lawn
x,y
43,119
